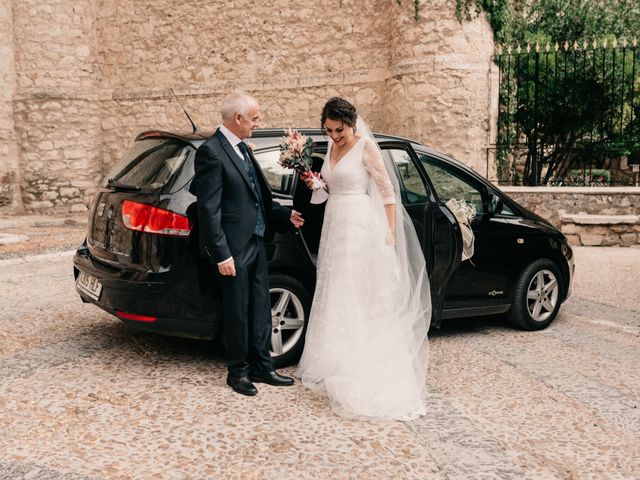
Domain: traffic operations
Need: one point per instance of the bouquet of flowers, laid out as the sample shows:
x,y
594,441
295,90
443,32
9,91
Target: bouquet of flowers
x,y
464,212
295,153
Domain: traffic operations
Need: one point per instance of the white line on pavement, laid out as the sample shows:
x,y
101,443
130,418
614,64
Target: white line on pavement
x,y
614,325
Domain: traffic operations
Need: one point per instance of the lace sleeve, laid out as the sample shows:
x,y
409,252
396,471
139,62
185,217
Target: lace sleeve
x,y
373,163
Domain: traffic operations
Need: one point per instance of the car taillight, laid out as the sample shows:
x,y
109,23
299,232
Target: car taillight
x,y
150,219
135,316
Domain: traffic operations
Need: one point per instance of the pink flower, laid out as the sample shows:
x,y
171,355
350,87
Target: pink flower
x,y
292,135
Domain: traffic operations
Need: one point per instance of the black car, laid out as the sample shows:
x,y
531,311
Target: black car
x,y
140,259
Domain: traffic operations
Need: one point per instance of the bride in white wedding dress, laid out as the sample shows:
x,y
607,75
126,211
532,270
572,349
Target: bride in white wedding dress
x,y
365,345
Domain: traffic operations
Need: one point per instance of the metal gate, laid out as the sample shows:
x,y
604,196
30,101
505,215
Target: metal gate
x,y
569,114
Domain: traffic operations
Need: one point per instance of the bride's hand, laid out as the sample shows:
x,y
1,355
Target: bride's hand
x,y
391,239
307,178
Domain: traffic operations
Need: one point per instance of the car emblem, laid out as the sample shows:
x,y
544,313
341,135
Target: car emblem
x,y
494,293
101,207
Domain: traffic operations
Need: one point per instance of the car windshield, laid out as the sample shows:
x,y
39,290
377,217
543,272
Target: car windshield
x,y
149,164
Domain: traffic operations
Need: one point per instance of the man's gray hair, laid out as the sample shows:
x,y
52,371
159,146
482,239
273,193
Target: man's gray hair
x,y
237,102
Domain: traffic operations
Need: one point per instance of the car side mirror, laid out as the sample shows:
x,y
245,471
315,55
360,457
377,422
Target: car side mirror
x,y
494,204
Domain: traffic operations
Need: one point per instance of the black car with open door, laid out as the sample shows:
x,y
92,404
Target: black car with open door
x,y
140,259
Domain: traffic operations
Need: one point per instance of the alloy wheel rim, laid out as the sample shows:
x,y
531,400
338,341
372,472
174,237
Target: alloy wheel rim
x,y
287,320
542,295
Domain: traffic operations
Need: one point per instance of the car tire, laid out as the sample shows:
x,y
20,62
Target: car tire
x,y
290,307
537,296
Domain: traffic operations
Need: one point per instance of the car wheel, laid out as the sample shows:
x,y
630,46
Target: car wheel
x,y
290,306
536,296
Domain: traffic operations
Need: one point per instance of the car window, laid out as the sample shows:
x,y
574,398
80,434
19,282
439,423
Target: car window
x,y
449,183
150,163
320,154
413,189
507,211
279,178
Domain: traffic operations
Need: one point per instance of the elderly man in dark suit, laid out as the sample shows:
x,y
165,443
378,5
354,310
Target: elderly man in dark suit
x,y
235,210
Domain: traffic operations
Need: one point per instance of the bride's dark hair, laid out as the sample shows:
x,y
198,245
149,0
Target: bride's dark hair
x,y
340,110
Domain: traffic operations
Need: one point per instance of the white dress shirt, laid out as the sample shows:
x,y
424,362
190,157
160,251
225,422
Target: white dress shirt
x,y
233,140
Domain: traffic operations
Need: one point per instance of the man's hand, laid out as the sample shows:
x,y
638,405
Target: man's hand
x,y
227,268
296,219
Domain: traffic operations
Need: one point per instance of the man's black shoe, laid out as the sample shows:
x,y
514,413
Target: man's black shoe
x,y
242,385
271,378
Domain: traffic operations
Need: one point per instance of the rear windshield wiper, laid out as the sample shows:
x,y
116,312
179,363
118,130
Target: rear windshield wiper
x,y
122,186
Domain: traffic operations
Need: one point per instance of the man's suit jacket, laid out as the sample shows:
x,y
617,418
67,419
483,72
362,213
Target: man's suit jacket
x,y
313,214
227,202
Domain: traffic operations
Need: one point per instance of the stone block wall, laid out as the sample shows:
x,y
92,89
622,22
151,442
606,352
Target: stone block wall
x,y
294,102
590,216
438,88
10,196
63,162
601,230
56,105
89,75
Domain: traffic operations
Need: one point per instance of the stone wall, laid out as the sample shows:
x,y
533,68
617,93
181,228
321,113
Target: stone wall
x,y
10,196
56,104
601,230
587,216
438,88
91,74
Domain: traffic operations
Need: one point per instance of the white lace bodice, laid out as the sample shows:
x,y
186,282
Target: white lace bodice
x,y
351,174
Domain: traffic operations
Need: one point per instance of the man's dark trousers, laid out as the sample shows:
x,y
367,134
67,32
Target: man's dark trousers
x,y
247,307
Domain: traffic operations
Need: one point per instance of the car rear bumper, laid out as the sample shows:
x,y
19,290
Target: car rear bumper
x,y
148,305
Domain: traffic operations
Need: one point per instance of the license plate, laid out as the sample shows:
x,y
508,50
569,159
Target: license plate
x,y
89,285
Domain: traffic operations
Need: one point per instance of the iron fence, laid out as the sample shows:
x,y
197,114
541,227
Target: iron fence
x,y
569,114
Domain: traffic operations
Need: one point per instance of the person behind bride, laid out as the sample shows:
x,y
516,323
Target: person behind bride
x,y
365,345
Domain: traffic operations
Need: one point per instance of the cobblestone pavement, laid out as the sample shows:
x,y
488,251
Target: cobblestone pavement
x,y
84,397
36,234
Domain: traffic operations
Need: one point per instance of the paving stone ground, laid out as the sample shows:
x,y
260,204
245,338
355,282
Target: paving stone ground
x,y
22,235
84,397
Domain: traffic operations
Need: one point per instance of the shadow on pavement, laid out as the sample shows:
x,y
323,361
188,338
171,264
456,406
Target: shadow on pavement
x,y
462,326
